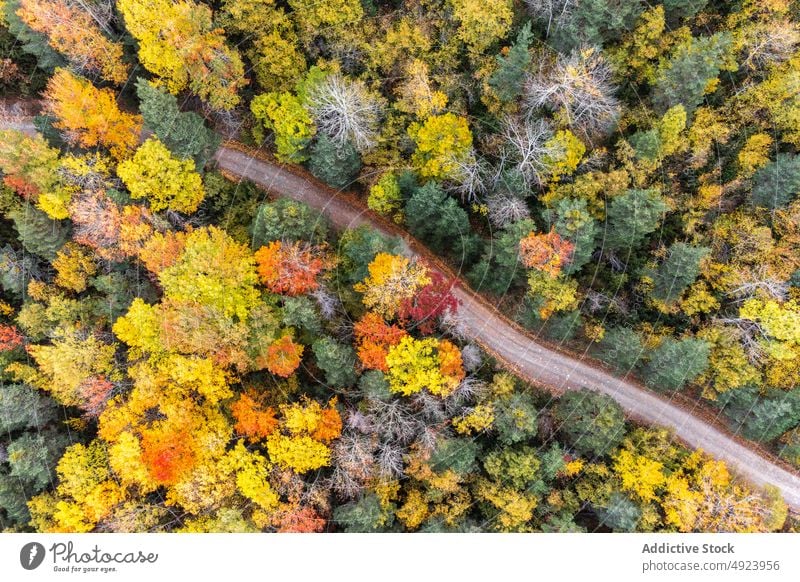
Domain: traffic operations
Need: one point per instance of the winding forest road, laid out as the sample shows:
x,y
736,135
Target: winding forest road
x,y
518,350
483,323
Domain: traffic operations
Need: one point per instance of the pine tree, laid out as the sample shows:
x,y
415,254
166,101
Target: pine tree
x,y
676,362
621,348
631,217
677,272
337,360
334,164
38,233
508,79
286,219
592,423
184,133
621,514
777,183
438,220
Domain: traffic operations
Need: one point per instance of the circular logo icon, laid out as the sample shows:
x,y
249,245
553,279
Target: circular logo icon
x,y
31,555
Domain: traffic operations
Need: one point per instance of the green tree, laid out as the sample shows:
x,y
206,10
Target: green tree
x,y
38,233
457,454
334,164
300,312
684,78
677,272
590,22
777,183
184,133
500,266
289,220
593,424
621,348
337,360
515,418
508,79
631,217
32,456
361,516
23,407
17,268
676,362
571,219
760,417
678,9
436,218
621,514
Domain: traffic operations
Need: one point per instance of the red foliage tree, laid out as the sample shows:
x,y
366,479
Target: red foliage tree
x,y
431,302
546,252
374,337
168,455
289,268
10,338
253,420
300,519
283,356
94,393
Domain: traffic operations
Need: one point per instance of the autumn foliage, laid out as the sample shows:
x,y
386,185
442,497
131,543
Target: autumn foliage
x,y
72,31
168,455
253,420
391,280
429,303
374,337
289,268
10,338
90,117
283,356
547,252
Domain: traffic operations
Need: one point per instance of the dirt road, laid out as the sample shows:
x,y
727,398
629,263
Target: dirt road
x,y
518,350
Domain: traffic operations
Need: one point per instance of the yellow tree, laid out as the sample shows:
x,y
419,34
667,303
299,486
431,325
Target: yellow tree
x,y
166,181
444,142
391,279
71,30
179,43
430,364
90,117
482,22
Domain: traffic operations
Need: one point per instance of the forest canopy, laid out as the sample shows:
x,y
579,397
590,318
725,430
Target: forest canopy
x,y
182,351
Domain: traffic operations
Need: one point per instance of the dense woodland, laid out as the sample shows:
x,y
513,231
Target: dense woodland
x,y
180,352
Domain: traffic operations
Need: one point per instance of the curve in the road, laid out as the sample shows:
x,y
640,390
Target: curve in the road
x,y
518,350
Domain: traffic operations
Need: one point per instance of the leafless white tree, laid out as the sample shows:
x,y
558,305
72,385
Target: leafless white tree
x,y
774,288
579,87
390,460
524,147
345,110
505,209
453,324
329,304
550,11
769,43
472,177
353,459
472,357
